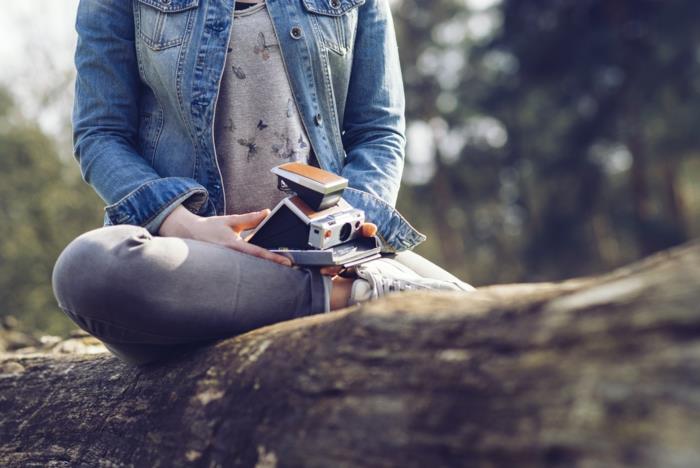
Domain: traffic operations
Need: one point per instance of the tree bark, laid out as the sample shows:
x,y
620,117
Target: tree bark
x,y
589,372
674,198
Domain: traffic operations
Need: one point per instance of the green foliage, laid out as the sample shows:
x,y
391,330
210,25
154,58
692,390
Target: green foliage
x,y
43,206
598,100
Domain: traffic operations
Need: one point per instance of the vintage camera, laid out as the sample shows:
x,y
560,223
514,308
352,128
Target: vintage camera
x,y
318,188
314,225
336,228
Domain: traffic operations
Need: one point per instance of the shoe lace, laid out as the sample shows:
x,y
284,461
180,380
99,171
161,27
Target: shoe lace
x,y
385,285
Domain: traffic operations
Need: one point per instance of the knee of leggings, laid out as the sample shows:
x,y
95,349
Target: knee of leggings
x,y
81,273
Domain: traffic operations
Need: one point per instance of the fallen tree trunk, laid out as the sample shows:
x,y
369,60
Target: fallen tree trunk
x,y
591,372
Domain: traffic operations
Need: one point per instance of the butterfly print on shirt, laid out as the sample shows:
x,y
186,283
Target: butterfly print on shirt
x,y
262,47
250,143
238,71
286,149
301,143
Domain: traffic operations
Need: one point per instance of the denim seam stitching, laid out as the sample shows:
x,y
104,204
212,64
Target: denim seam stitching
x,y
159,132
414,236
169,9
326,84
328,12
321,38
118,205
335,128
161,111
178,86
154,44
157,47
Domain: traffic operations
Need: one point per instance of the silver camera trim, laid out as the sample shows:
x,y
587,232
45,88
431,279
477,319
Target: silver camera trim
x,y
326,232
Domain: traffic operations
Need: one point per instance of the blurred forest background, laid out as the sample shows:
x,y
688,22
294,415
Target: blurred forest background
x,y
546,139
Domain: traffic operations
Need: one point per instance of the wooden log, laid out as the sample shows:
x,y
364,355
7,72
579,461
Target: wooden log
x,y
591,372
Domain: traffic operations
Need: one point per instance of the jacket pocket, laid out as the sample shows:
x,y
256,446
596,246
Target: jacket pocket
x,y
163,23
335,22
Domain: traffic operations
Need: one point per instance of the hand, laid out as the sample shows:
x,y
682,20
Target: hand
x,y
367,230
221,230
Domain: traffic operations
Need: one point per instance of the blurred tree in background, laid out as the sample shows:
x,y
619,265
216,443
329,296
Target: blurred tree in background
x,y
562,132
546,139
43,204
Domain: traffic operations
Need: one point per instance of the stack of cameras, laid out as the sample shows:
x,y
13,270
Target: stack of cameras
x,y
314,225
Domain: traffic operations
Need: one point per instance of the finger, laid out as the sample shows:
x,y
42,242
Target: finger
x,y
256,251
369,229
331,270
245,221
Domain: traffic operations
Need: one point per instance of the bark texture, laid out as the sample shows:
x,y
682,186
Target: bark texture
x,y
591,372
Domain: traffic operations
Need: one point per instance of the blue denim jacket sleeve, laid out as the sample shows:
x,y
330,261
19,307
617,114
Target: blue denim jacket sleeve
x,y
105,122
374,126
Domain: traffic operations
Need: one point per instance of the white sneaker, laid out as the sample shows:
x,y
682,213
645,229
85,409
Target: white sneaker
x,y
383,276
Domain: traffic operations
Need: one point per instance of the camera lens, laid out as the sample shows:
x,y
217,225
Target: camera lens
x,y
345,232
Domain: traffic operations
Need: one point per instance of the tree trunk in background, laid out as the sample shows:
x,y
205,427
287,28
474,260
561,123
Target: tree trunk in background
x,y
450,240
674,198
640,188
590,372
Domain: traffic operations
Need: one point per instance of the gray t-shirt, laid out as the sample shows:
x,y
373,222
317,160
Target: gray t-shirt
x,y
257,124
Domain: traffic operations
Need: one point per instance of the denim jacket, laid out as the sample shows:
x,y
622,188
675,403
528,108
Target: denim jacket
x,y
148,76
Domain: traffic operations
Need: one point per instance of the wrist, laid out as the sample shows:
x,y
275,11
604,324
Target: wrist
x,y
178,223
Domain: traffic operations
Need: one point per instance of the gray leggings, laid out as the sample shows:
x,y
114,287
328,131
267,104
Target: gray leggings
x,y
148,297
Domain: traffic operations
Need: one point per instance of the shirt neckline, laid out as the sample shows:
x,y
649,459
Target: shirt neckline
x,y
250,10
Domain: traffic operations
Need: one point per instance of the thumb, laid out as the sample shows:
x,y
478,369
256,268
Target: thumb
x,y
245,221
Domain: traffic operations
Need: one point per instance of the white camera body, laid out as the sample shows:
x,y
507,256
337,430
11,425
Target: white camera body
x,y
336,228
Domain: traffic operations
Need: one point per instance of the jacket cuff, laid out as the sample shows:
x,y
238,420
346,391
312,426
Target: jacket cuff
x,y
394,231
152,202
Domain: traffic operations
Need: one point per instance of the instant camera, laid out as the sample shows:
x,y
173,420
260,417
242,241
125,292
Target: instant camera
x,y
314,225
